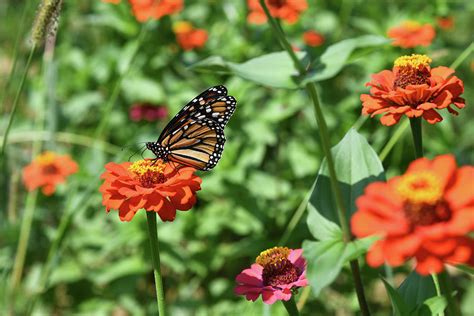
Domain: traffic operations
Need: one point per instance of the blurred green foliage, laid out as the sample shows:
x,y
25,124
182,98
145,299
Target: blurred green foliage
x,y
269,164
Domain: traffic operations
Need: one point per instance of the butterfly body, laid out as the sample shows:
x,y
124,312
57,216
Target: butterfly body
x,y
195,136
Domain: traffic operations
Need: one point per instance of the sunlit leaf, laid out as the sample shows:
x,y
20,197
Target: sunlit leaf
x,y
335,57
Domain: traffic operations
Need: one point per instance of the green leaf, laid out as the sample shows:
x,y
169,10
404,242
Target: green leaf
x,y
336,56
324,262
399,306
416,289
432,306
274,69
326,258
466,269
321,228
356,165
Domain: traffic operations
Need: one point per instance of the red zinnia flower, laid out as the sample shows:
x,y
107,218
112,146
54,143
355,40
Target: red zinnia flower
x,y
152,9
153,186
313,38
411,34
47,171
446,22
276,272
148,112
413,89
188,37
425,214
288,10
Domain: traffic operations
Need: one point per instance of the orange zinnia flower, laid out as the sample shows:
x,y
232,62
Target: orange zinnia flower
x,y
150,185
413,89
47,171
445,22
425,214
287,10
152,9
313,38
188,37
411,34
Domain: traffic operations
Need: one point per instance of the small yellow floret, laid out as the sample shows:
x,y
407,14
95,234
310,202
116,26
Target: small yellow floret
x,y
412,25
272,255
182,27
142,167
414,61
420,188
46,158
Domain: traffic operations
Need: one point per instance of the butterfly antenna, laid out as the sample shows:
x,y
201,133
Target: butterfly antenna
x,y
144,147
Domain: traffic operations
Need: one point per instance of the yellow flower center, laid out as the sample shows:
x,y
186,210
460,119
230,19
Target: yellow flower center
x,y
277,269
411,25
272,255
423,198
420,188
182,27
46,158
411,70
148,172
414,61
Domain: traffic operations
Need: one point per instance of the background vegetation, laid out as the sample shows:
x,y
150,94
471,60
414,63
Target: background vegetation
x,y
248,201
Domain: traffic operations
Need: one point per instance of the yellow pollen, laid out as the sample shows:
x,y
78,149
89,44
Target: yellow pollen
x,y
415,61
272,255
142,167
182,27
46,158
411,25
420,188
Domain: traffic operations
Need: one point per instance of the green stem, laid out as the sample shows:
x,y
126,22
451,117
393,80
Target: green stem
x,y
16,100
6,89
23,240
155,255
447,289
324,136
462,56
415,124
295,219
393,140
438,289
290,306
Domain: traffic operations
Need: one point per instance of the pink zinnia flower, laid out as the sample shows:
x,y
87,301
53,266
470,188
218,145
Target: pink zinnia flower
x,y
275,274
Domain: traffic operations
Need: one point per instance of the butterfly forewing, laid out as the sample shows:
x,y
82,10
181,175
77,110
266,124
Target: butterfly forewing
x,y
194,106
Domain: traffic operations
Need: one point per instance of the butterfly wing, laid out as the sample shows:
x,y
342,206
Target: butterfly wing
x,y
219,110
197,144
195,108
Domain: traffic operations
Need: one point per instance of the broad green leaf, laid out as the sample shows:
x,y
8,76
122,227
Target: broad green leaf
x,y
432,306
356,165
399,306
416,289
325,261
321,228
274,69
336,56
326,258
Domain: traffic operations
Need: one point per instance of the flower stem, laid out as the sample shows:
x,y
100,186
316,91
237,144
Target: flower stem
x,y
438,289
290,306
155,254
393,140
415,124
23,240
16,100
324,136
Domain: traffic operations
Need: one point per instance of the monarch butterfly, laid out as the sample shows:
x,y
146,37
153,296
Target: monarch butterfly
x,y
195,136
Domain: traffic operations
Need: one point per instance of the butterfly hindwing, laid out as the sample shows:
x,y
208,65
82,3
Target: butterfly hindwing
x,y
197,143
